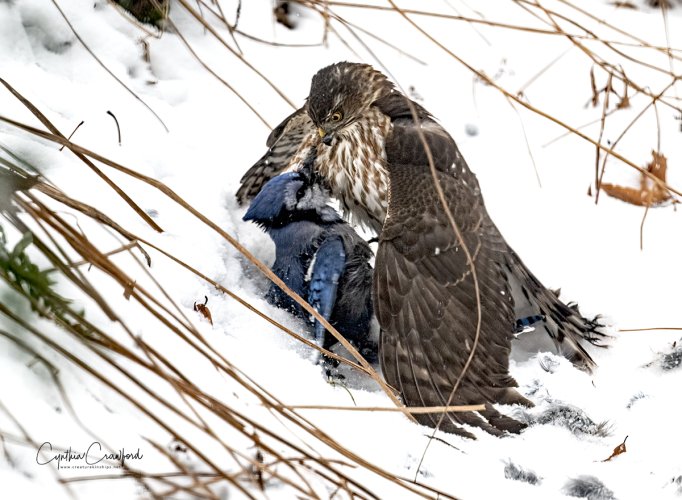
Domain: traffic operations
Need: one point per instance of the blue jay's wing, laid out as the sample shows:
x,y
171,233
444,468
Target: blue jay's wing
x,y
295,245
330,261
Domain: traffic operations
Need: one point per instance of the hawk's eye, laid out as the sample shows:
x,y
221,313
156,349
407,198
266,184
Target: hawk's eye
x,y
336,117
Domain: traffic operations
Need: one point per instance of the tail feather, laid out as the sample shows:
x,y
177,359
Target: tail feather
x,y
562,322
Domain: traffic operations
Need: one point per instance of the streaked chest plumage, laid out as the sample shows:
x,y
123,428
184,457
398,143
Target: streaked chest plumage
x,y
354,168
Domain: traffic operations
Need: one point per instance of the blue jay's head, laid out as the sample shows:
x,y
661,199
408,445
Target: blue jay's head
x,y
290,197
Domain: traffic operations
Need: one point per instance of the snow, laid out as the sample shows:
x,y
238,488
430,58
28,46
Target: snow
x,y
592,251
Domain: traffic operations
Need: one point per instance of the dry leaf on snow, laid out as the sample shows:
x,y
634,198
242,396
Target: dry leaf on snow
x,y
649,193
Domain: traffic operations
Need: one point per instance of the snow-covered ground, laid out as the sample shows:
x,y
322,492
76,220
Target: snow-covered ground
x,y
535,185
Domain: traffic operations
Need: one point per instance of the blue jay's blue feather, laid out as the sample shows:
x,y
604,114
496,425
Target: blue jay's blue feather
x,y
273,202
330,261
312,240
527,322
295,247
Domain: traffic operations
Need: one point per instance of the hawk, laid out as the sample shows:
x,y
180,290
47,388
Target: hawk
x,y
374,150
320,257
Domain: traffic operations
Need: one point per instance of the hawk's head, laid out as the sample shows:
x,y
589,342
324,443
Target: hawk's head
x,y
340,93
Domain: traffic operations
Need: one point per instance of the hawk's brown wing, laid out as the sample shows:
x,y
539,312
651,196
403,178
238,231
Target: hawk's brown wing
x,y
425,298
282,143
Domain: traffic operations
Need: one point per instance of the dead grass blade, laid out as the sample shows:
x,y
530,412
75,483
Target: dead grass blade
x,y
99,61
105,351
489,81
43,119
412,409
82,152
190,9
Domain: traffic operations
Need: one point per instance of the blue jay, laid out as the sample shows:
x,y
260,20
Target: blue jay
x,y
320,257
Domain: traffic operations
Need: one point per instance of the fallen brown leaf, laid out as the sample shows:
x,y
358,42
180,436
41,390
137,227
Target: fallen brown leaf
x,y
203,310
649,193
618,450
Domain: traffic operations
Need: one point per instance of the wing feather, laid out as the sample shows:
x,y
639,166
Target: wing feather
x,y
283,142
425,296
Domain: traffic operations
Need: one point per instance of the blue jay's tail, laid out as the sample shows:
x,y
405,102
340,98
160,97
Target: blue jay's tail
x,y
541,308
330,260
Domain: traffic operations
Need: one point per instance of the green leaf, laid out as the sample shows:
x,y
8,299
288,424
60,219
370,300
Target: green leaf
x,y
24,242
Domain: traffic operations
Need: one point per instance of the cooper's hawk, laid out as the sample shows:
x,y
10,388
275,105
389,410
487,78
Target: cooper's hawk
x,y
374,149
320,257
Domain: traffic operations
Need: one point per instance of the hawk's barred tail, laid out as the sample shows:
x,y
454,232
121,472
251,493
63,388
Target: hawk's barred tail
x,y
563,323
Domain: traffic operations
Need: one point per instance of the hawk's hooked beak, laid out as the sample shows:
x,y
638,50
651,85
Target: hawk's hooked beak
x,y
326,138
